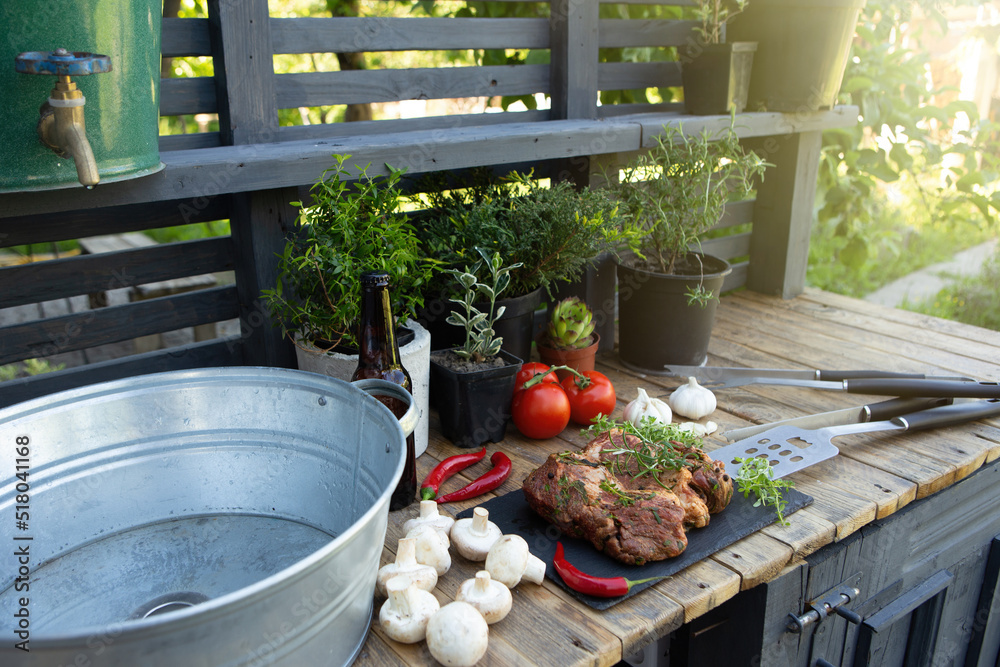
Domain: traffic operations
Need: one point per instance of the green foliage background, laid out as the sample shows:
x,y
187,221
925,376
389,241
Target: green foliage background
x,y
905,187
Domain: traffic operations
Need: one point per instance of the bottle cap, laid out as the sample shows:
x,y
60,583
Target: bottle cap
x,y
375,279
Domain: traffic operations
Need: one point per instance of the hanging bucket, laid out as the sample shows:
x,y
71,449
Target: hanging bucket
x,y
120,103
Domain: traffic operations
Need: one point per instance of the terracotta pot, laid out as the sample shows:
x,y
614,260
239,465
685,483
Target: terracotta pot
x,y
581,359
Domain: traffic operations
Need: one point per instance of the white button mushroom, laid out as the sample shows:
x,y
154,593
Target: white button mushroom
x,y
423,576
429,515
474,537
457,635
509,561
404,616
491,598
432,547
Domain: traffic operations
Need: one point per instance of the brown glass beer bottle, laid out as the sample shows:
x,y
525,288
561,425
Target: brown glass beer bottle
x,y
379,357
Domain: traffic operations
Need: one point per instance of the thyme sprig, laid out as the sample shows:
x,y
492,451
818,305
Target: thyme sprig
x,y
663,447
757,477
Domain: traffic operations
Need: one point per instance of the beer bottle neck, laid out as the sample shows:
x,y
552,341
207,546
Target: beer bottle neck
x,y
377,336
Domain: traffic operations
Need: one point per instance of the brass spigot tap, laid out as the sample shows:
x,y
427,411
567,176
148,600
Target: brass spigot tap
x,y
62,126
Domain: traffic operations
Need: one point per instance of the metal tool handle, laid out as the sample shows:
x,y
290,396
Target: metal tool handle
x,y
377,387
949,415
874,412
911,387
837,376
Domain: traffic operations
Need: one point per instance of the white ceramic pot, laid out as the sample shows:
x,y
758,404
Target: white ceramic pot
x,y
416,358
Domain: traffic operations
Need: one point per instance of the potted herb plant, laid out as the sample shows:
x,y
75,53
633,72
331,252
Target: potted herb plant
x,y
667,291
352,225
551,233
716,72
473,384
569,339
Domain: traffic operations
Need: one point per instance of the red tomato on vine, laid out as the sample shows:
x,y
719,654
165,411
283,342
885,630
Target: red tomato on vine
x,y
541,411
589,396
529,370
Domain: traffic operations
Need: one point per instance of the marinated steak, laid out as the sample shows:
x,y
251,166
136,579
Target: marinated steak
x,y
629,498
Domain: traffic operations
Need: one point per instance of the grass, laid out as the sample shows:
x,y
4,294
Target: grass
x,y
902,237
972,299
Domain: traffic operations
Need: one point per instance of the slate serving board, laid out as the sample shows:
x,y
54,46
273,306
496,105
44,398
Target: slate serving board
x,y
513,515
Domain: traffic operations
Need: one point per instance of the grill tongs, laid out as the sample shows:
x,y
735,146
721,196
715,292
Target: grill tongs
x,y
875,383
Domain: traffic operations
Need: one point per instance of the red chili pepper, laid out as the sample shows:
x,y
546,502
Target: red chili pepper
x,y
602,587
445,469
488,481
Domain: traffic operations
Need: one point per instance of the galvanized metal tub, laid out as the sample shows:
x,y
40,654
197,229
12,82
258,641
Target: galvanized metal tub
x,y
212,517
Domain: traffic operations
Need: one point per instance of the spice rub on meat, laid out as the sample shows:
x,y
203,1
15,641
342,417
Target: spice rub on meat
x,y
631,499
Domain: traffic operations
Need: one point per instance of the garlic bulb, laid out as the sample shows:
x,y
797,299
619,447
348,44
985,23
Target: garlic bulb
x,y
644,406
697,429
693,401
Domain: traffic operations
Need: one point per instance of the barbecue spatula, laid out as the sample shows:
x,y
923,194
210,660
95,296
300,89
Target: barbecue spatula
x,y
792,448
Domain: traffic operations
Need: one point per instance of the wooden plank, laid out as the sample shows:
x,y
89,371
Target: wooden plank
x,y
814,298
185,37
203,173
438,123
756,558
219,352
382,33
81,275
194,94
779,249
728,247
931,352
241,52
180,142
574,38
889,492
261,223
847,511
116,323
766,124
627,33
805,533
73,224
628,76
311,89
700,587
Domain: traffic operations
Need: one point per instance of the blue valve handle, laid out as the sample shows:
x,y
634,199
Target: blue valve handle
x,y
62,63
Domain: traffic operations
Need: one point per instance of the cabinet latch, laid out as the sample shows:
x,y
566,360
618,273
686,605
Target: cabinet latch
x,y
834,600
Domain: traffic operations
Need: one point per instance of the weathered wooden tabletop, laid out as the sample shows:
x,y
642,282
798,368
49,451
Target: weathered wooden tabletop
x,y
872,477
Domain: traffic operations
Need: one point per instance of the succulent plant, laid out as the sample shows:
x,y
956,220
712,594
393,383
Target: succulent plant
x,y
571,325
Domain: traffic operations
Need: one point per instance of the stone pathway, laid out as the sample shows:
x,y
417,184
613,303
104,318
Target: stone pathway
x,y
927,282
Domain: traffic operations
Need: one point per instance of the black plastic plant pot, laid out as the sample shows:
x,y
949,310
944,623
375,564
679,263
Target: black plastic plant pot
x,y
474,407
716,77
656,325
803,48
516,325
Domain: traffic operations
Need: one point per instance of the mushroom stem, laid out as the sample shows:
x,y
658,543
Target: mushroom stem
x,y
534,571
406,551
398,589
480,520
428,508
482,584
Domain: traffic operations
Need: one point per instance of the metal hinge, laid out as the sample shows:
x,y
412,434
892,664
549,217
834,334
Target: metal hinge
x,y
831,601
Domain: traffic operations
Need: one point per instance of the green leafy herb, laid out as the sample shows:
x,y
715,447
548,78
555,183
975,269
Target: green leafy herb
x,y
663,447
757,477
622,497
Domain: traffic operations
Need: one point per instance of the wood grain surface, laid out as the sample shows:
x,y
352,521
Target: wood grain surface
x,y
873,477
